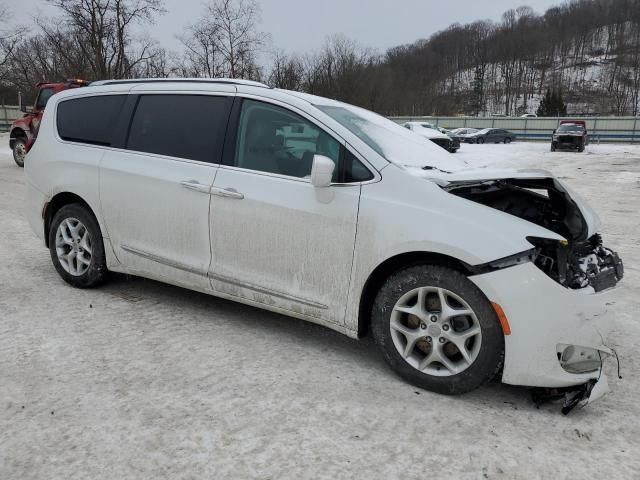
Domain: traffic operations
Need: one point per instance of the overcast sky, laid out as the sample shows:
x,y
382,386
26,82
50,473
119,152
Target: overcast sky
x,y
303,25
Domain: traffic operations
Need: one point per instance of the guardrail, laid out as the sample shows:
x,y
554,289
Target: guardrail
x,y
605,129
8,113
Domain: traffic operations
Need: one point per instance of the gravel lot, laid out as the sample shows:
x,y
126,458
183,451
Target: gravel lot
x,y
144,380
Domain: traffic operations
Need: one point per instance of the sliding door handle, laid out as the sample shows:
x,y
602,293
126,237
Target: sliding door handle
x,y
196,186
227,193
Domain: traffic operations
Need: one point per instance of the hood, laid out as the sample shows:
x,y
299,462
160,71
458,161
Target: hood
x,y
534,195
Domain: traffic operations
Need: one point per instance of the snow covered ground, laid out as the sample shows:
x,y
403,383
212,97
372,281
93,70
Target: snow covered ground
x,y
143,380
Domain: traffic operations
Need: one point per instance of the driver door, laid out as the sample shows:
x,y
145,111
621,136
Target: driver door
x,y
276,239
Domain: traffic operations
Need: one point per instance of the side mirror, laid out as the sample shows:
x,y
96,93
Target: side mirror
x,y
322,171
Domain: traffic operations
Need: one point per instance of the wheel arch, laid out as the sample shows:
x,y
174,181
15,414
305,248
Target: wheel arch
x,y
16,132
393,264
55,204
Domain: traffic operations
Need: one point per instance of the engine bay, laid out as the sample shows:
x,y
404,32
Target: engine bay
x,y
577,263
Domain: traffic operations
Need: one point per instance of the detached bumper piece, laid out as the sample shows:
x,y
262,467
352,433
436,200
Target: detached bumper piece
x,y
572,397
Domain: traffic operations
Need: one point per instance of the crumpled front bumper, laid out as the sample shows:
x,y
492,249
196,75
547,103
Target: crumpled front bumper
x,y
544,316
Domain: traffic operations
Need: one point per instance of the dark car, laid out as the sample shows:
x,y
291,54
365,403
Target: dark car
x,y
570,135
492,135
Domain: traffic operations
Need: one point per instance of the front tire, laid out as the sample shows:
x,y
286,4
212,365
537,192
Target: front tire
x,y
76,247
19,151
437,330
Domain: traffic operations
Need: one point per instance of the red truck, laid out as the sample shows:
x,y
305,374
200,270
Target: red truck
x,y
571,135
25,129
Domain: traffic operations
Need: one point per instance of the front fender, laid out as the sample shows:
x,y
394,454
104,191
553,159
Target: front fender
x,y
408,214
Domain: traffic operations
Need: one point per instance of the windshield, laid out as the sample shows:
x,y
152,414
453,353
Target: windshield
x,y
484,130
570,128
390,140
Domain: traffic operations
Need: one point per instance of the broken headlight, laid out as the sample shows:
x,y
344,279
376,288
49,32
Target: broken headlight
x,y
578,265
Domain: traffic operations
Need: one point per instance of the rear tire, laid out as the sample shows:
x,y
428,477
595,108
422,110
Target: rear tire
x,y
76,247
19,151
507,140
481,140
429,356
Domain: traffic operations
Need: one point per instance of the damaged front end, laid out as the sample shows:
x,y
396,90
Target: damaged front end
x,y
558,327
580,260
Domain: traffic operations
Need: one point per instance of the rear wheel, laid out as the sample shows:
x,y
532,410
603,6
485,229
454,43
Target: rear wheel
x,y
76,247
481,140
20,151
437,330
507,140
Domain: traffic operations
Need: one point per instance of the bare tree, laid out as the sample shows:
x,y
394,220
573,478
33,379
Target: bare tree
x,y
286,71
226,42
9,38
103,31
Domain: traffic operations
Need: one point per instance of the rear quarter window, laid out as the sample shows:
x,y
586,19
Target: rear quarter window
x,y
89,119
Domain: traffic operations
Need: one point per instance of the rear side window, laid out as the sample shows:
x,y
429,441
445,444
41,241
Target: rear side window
x,y
89,119
183,126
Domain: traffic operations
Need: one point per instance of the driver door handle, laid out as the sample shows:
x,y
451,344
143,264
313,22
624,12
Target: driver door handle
x,y
227,193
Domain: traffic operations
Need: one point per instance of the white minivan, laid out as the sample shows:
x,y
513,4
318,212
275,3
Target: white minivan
x,y
329,213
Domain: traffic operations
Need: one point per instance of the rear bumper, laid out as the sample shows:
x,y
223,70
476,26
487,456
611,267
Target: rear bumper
x,y
545,318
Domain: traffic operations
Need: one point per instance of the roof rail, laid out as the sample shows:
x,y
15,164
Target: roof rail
x,y
232,81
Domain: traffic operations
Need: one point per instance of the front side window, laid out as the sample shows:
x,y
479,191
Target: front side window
x,y
43,98
275,140
184,126
89,119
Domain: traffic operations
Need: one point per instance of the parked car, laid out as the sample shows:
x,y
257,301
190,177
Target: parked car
x,y
570,135
464,133
491,135
451,145
453,136
23,131
333,214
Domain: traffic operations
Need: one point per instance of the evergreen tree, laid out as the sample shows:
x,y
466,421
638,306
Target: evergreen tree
x,y
552,105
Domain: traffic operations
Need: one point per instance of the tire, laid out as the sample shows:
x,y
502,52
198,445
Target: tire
x,y
486,348
507,140
581,149
81,236
19,151
553,147
481,140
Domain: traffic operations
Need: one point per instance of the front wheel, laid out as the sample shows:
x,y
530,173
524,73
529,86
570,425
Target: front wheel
x,y
19,151
76,247
437,330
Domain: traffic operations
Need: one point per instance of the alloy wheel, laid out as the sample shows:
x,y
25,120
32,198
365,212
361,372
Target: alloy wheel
x,y
73,247
435,331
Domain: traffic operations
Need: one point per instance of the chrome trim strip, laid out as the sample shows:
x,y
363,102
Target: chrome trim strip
x,y
163,261
266,291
